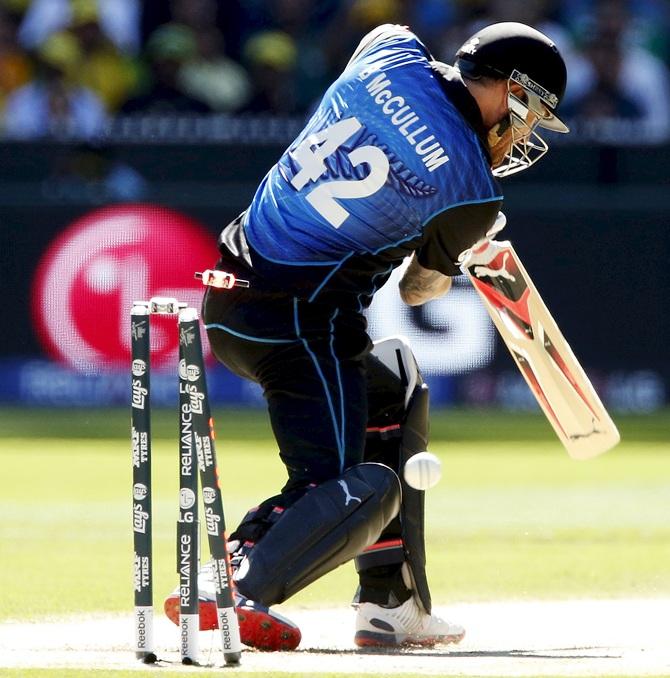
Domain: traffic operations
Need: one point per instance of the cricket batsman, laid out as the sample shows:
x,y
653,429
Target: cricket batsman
x,y
400,159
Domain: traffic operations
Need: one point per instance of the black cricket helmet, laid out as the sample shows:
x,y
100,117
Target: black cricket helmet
x,y
520,54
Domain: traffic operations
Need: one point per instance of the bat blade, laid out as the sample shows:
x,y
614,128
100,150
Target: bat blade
x,y
540,351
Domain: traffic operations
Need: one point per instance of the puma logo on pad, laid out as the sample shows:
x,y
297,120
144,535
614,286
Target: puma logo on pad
x,y
348,497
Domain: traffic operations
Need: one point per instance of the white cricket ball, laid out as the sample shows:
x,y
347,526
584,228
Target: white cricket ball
x,y
422,471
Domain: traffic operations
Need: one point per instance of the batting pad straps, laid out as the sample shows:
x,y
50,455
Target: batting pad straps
x,y
387,552
326,527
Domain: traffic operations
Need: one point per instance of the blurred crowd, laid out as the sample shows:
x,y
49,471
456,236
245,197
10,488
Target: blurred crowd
x,y
71,66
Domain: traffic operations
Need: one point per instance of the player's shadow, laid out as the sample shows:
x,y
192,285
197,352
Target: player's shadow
x,y
548,653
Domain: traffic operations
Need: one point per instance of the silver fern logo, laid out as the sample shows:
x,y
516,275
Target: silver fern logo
x,y
470,47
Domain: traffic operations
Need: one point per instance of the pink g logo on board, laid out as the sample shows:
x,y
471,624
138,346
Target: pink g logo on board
x,y
90,275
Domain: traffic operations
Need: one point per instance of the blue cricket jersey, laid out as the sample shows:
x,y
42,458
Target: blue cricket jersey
x,y
384,155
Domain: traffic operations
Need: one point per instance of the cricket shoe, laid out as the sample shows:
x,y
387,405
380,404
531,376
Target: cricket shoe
x,y
402,626
260,627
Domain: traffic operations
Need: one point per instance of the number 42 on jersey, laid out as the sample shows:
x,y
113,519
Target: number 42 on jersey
x,y
312,152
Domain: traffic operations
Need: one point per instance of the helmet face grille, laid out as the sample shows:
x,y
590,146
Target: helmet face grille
x,y
523,153
526,145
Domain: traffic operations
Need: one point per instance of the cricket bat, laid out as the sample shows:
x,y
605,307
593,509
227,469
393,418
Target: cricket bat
x,y
540,351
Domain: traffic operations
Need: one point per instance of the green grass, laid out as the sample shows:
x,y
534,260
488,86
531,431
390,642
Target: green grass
x,y
457,424
509,520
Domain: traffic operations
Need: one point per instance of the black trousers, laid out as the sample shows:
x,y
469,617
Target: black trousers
x,y
321,385
323,390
